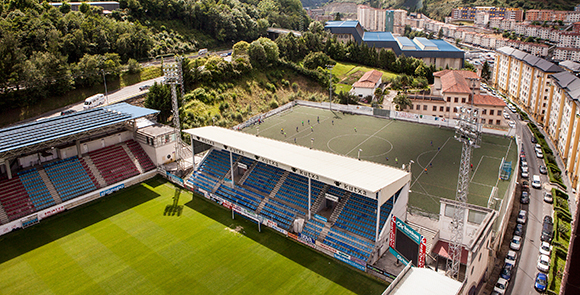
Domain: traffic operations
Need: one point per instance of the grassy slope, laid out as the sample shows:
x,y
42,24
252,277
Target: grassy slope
x,y
124,244
404,141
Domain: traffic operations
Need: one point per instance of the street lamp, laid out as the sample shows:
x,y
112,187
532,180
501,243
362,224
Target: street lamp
x,y
329,67
358,157
311,143
105,82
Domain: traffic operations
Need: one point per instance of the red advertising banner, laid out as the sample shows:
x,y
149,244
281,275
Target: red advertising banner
x,y
393,232
422,252
227,204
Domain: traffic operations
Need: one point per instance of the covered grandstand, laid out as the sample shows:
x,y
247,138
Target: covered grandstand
x,y
57,163
336,204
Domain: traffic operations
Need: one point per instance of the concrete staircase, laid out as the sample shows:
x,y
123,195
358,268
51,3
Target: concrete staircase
x,y
339,208
248,172
132,157
279,184
323,232
49,186
95,171
262,204
316,206
3,216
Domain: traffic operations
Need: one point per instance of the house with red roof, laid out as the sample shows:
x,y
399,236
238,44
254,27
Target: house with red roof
x,y
367,84
455,88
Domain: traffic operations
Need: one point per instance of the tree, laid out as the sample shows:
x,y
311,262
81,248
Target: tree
x,y
379,94
485,72
469,66
402,101
440,34
64,8
240,48
337,17
159,98
317,59
257,55
133,66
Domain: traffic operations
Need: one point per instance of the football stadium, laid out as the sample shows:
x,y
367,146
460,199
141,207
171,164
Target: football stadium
x,y
100,201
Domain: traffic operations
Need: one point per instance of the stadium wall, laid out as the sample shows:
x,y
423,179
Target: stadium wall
x,y
40,215
96,144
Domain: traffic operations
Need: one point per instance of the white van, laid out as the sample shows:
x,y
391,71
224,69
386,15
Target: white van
x,y
536,183
202,51
93,101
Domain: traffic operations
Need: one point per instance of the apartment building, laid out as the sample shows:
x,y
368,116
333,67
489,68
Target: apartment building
x,y
564,120
563,53
523,77
382,20
470,13
569,39
455,88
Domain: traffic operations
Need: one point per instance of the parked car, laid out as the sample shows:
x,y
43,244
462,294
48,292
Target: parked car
x,y
538,147
512,124
548,198
511,257
506,116
525,198
522,217
536,183
519,230
541,282
539,154
506,271
543,170
547,229
545,249
525,167
525,185
516,243
501,286
534,140
543,263
144,87
67,112
525,174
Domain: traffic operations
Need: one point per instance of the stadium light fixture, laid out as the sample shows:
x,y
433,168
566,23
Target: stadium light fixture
x,y
359,150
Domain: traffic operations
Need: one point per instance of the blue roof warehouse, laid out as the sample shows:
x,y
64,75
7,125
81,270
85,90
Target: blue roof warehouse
x,y
431,51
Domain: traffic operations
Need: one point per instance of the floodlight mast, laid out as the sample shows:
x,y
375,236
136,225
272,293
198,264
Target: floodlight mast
x,y
468,133
173,76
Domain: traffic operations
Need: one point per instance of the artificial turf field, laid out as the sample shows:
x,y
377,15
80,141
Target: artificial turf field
x,y
396,142
124,244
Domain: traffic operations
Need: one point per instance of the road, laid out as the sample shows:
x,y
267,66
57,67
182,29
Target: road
x,y
115,96
523,282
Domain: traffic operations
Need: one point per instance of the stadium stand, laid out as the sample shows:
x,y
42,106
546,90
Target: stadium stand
x,y
263,178
140,154
312,228
359,216
36,189
216,164
113,163
241,196
70,178
295,191
14,198
200,180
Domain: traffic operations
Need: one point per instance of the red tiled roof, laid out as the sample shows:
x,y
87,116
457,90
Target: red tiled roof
x,y
368,80
488,100
442,249
455,81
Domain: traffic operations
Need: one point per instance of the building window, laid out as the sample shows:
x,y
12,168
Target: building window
x,y
455,109
482,121
463,99
449,99
491,112
418,107
475,216
447,109
434,108
484,112
497,122
424,107
457,99
544,105
449,210
441,109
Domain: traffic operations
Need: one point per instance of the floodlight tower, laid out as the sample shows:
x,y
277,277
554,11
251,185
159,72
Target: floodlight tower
x,y
468,133
173,76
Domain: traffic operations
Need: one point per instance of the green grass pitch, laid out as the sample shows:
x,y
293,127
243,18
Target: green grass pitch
x,y
396,142
124,244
